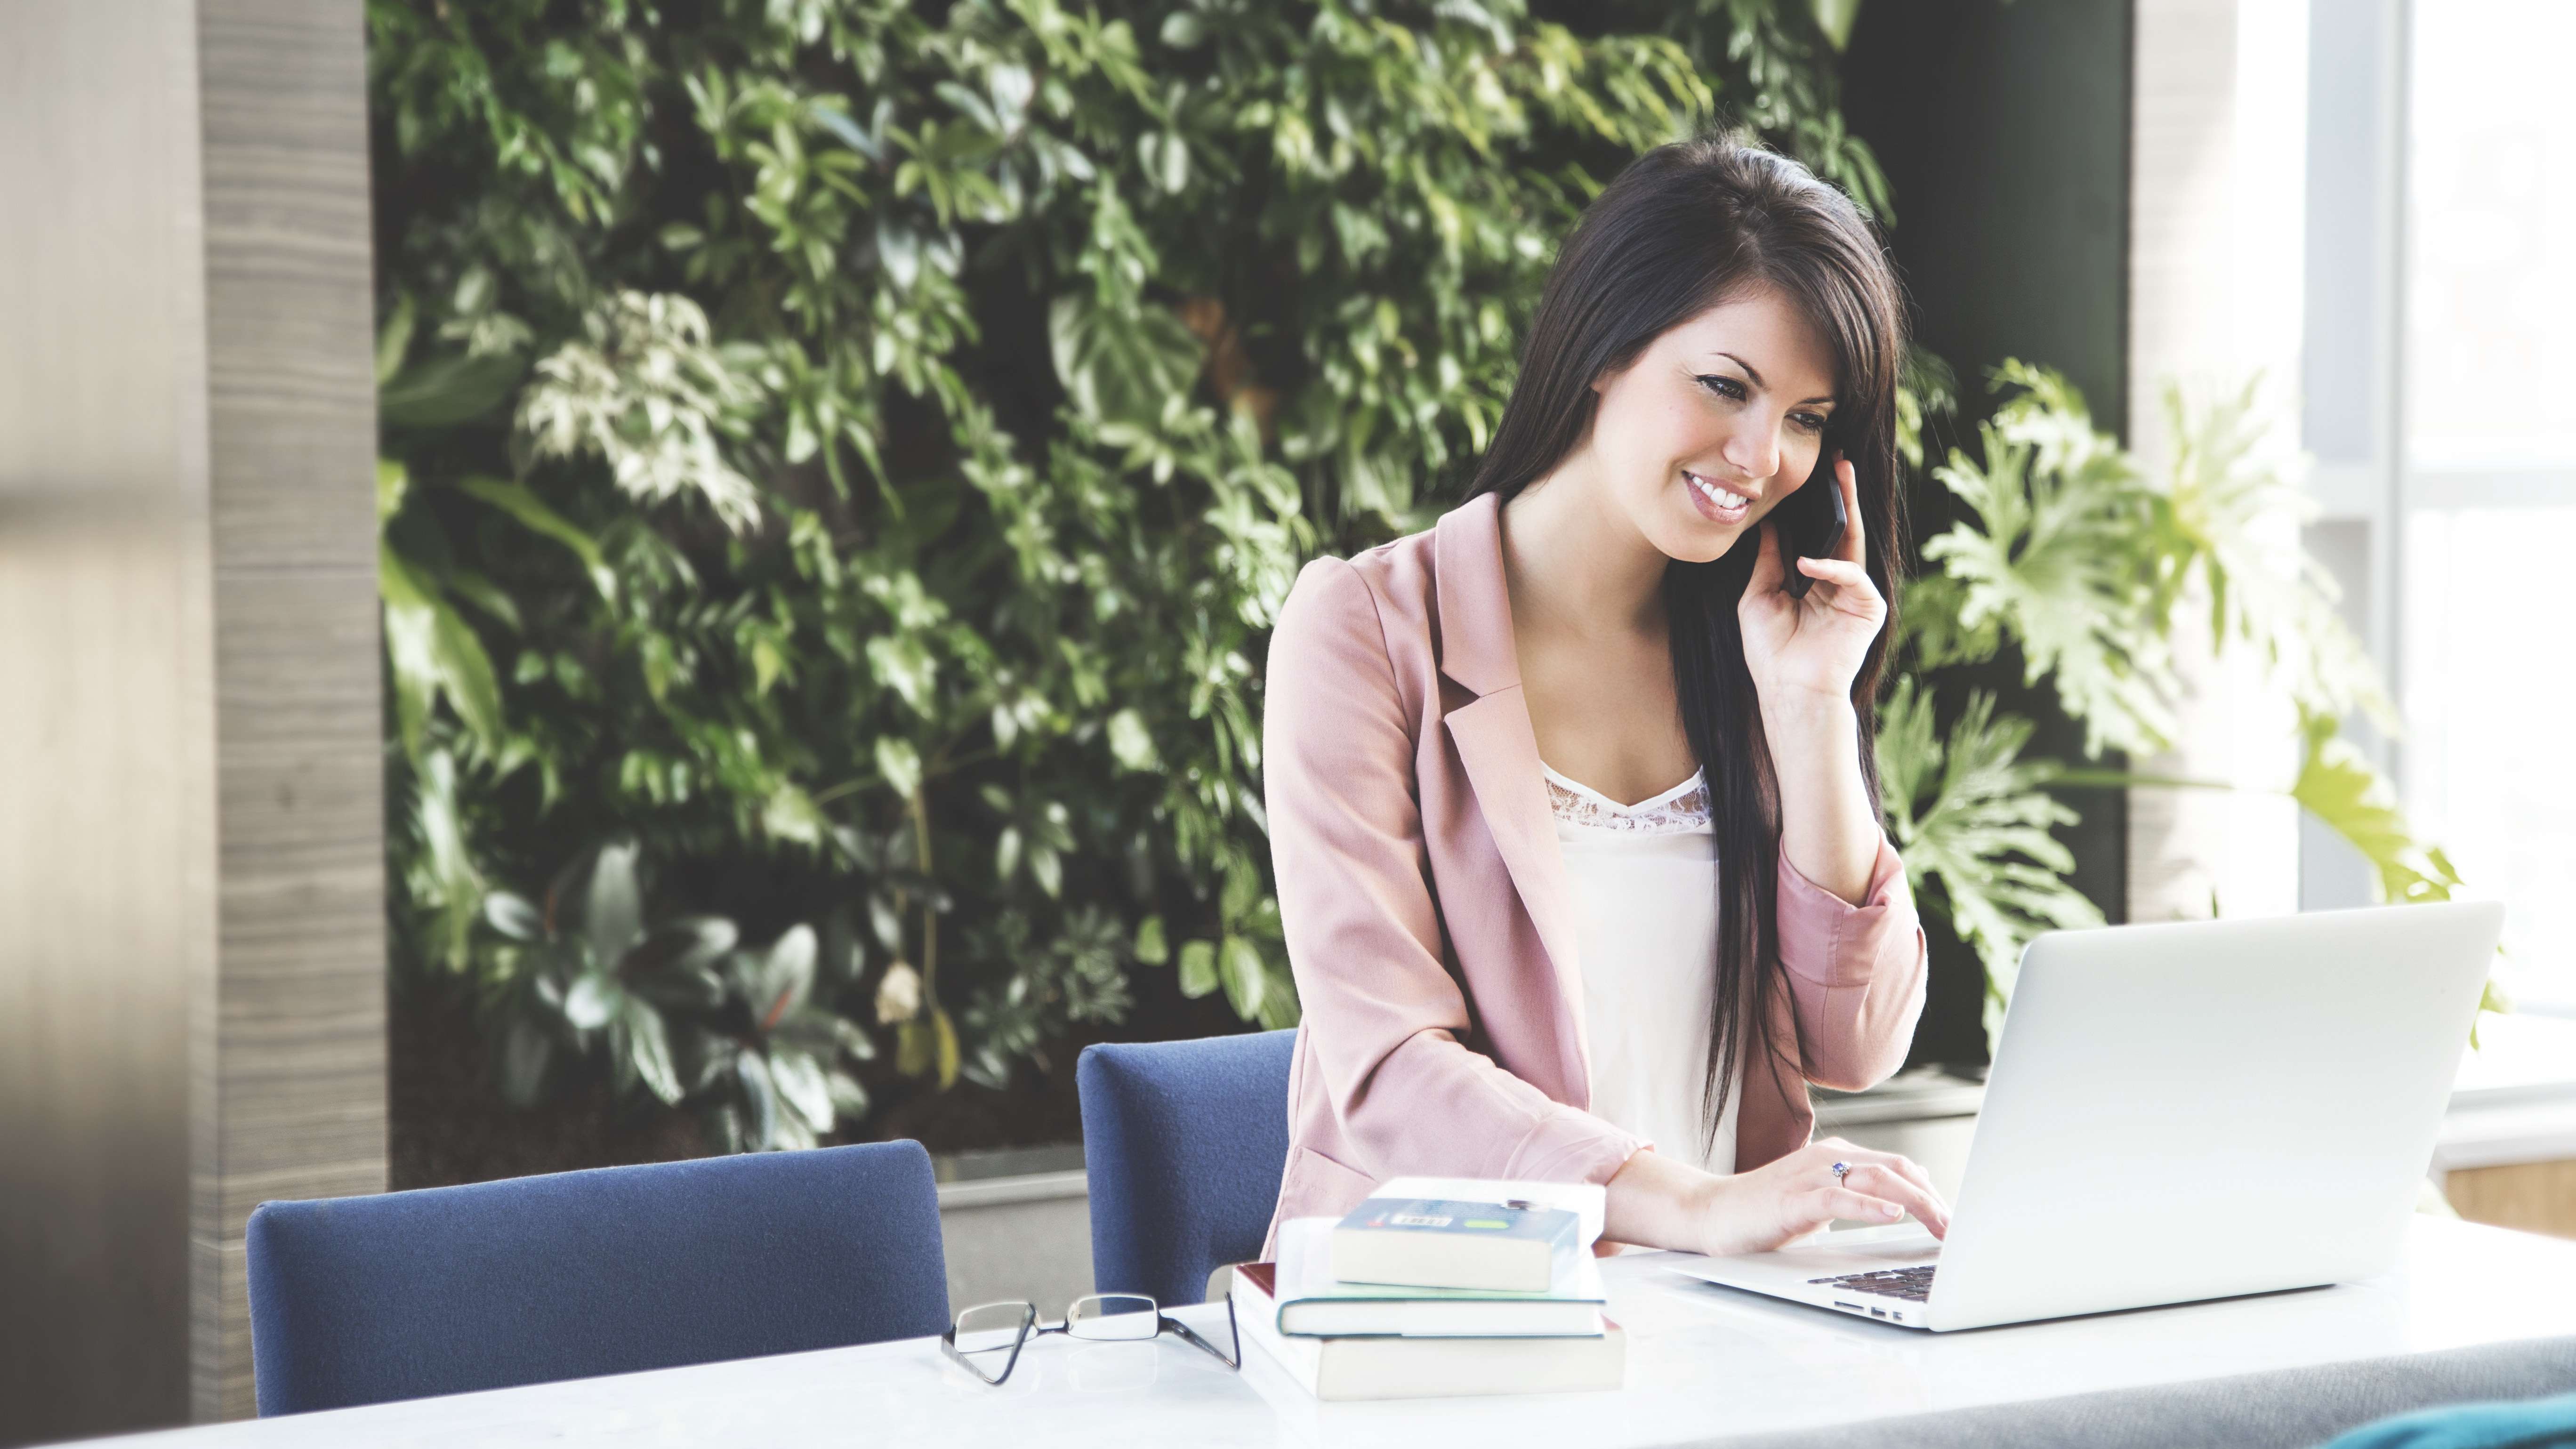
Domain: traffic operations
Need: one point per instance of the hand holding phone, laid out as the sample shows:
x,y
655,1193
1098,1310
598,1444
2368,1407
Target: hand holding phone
x,y
1812,523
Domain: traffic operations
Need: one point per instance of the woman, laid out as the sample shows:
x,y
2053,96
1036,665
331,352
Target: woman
x,y
1506,971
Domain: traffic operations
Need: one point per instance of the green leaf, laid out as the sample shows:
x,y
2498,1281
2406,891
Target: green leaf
x,y
1245,978
613,910
2060,549
787,978
1184,30
432,653
1121,366
525,1054
916,1047
1150,946
1198,968
849,1097
803,1087
393,485
1834,18
441,392
791,814
514,916
900,763
1130,743
515,500
2338,786
650,1045
594,1001
759,1098
1971,816
393,339
944,1039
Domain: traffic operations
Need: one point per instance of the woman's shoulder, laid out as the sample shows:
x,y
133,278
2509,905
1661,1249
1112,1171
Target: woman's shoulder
x,y
1378,605
1394,581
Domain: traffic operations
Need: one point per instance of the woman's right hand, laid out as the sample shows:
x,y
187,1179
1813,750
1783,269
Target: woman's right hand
x,y
1756,1211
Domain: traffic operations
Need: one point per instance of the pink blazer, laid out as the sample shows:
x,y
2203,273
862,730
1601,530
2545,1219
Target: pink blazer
x,y
1429,921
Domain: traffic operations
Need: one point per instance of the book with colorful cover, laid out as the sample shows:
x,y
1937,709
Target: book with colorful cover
x,y
1314,1303
1467,1233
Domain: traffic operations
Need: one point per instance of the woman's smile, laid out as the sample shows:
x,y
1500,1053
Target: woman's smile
x,y
1716,502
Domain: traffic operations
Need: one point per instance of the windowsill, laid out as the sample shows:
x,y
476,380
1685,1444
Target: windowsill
x,y
2515,1101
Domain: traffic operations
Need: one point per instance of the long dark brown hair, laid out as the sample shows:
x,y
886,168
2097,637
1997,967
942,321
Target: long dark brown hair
x,y
1684,228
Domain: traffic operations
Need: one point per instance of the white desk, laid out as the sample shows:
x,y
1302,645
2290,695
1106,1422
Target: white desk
x,y
1705,1364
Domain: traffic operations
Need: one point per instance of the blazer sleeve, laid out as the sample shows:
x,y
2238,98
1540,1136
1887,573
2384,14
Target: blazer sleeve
x,y
1383,1016
1855,972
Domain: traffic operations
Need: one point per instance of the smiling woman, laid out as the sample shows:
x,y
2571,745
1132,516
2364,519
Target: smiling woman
x,y
1608,614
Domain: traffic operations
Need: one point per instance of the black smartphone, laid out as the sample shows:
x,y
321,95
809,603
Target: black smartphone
x,y
1811,523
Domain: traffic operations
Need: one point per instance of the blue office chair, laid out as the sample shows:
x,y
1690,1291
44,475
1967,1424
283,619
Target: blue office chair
x,y
361,1300
1185,1142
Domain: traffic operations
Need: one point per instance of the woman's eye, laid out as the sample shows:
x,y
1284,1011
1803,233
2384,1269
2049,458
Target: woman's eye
x,y
1723,386
1811,422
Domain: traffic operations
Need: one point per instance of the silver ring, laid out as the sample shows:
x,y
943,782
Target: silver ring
x,y
1840,1170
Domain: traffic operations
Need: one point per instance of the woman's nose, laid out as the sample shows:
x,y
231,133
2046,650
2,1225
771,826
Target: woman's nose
x,y
1754,450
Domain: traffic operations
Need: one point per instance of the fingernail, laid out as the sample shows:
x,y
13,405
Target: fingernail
x,y
1891,1211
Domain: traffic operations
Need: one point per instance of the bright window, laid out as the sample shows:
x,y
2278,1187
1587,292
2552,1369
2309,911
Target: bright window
x,y
2488,653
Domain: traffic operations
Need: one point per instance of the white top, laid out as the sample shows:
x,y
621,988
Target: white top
x,y
1645,888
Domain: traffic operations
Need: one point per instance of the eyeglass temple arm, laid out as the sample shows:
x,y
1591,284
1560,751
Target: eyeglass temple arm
x,y
1233,1360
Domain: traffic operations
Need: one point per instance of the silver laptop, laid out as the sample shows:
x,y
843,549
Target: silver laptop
x,y
2180,1112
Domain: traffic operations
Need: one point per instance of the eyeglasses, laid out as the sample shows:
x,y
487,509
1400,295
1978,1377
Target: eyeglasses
x,y
994,1333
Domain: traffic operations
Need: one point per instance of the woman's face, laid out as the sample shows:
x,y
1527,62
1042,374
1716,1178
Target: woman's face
x,y
1717,421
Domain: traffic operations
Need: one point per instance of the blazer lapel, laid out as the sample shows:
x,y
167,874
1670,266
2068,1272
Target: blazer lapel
x,y
1499,749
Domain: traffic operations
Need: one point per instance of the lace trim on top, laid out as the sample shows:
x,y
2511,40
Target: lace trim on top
x,y
1679,809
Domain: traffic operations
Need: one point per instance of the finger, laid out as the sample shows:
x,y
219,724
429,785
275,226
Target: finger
x,y
1767,573
1934,1210
1825,1151
1896,1161
1848,480
1851,1206
1854,592
1914,1173
1884,1183
1839,572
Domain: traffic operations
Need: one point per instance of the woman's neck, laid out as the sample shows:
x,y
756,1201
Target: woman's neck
x,y
1573,563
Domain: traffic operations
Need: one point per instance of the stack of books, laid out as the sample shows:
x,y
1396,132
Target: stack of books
x,y
1438,1287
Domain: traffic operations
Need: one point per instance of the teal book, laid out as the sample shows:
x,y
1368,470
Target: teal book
x,y
1514,1246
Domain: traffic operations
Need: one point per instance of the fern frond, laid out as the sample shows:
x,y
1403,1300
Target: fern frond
x,y
1972,817
2061,558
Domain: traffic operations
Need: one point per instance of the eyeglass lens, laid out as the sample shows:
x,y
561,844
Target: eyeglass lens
x,y
993,1328
1105,1316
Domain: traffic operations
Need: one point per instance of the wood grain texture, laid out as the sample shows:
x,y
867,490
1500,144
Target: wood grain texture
x,y
2537,1197
294,1106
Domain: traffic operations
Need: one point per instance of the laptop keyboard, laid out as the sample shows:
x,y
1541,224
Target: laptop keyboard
x,y
1913,1284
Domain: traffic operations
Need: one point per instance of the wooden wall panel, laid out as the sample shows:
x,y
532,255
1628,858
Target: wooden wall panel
x,y
295,1106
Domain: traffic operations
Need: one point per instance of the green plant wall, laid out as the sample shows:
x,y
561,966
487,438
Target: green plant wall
x,y
842,459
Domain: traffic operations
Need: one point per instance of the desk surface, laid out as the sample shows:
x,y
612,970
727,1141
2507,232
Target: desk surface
x,y
1705,1363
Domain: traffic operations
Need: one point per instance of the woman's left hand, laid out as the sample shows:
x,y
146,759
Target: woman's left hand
x,y
1811,647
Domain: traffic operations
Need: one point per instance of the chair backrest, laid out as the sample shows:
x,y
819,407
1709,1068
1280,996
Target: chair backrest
x,y
446,1290
1184,1142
